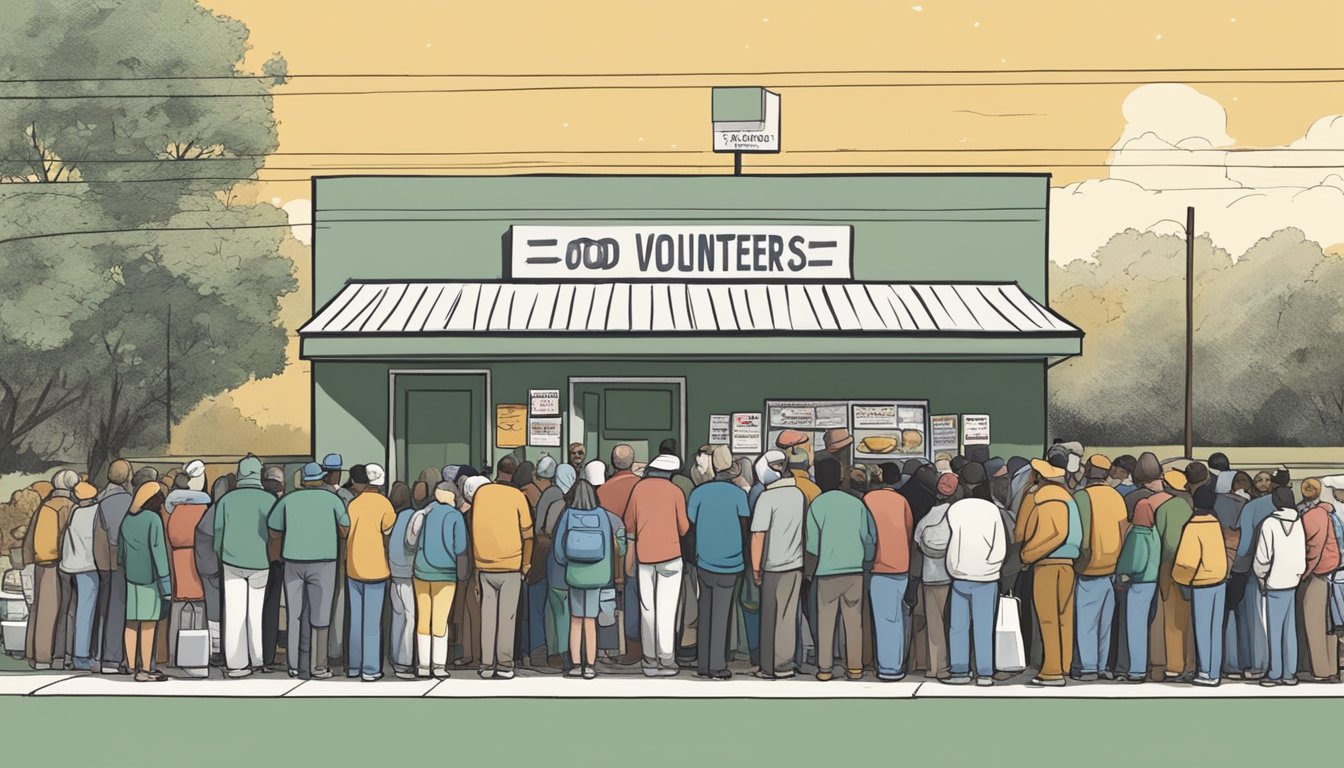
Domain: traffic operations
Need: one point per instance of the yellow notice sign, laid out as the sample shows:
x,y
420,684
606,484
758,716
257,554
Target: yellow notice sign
x,y
510,426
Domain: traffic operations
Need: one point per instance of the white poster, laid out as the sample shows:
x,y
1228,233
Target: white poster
x,y
720,429
793,416
874,416
832,416
746,434
543,433
543,402
975,429
888,429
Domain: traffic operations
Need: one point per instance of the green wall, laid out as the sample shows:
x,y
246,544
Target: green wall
x,y
350,404
906,228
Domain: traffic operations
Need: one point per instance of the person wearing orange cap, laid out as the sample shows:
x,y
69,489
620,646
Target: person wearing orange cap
x,y
1102,512
1051,542
81,573
1178,646
142,554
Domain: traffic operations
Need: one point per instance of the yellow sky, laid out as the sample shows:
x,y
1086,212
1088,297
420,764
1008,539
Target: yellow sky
x,y
625,36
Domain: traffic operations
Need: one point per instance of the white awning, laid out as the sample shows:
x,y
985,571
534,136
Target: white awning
x,y
690,309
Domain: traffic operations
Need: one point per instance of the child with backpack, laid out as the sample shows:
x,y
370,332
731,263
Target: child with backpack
x,y
589,543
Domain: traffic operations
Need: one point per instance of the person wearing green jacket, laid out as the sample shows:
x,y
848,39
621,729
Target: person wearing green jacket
x,y
1177,639
1138,566
240,542
142,554
841,535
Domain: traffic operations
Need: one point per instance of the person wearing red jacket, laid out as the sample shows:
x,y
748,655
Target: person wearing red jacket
x,y
1313,622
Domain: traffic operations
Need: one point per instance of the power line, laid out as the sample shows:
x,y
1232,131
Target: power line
x,y
554,88
506,153
630,75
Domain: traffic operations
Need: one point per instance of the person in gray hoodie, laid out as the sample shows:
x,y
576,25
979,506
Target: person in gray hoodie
x,y
932,536
207,565
113,502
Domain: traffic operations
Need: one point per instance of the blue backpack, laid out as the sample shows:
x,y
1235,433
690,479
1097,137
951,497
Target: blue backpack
x,y
587,540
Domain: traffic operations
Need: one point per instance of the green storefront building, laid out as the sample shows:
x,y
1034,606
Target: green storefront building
x,y
461,318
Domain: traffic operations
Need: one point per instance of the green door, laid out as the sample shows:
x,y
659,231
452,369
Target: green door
x,y
642,414
440,419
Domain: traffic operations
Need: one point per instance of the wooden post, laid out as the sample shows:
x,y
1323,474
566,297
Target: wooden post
x,y
1190,332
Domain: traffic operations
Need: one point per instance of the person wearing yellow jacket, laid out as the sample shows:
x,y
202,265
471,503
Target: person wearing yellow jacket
x,y
45,640
1201,568
1052,534
1102,512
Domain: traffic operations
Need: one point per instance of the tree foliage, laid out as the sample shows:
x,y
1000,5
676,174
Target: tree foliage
x,y
103,136
1265,324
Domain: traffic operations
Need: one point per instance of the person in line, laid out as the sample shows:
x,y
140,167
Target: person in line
x,y
977,544
78,567
1313,596
333,464
438,538
590,543
1177,641
308,523
716,509
502,549
932,535
1102,512
466,610
372,517
142,555
42,547
113,503
1122,474
1201,567
1138,564
240,541
614,496
273,482
1233,491
1052,539
777,565
655,520
894,526
1280,563
578,455
537,591
185,507
841,536
401,589
550,507
209,568
668,447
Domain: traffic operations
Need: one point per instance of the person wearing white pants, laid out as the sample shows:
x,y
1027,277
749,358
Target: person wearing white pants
x,y
244,594
659,591
241,543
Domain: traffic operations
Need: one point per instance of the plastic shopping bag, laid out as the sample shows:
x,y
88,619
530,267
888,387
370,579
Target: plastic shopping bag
x,y
1009,654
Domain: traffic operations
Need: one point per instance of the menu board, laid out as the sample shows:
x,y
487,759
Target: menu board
x,y
883,430
944,436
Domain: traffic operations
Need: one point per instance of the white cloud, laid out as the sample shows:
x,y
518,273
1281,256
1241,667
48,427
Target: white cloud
x,y
1173,153
300,213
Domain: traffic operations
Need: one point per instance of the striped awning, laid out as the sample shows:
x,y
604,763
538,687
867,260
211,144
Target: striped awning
x,y
684,309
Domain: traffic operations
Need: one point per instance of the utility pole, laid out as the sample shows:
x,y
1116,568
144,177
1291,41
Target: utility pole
x,y
1190,332
737,163
168,379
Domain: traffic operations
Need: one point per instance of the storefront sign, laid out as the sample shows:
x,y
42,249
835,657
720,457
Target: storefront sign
x,y
746,433
543,402
975,429
943,434
720,429
543,433
676,252
758,132
510,426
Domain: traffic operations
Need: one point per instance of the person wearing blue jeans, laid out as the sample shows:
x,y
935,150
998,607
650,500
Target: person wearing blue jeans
x,y
1094,608
1138,611
1281,607
1279,562
1201,569
1137,566
971,622
886,594
1206,614
86,603
364,647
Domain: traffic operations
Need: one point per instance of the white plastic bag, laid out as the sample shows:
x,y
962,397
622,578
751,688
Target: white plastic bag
x,y
1009,654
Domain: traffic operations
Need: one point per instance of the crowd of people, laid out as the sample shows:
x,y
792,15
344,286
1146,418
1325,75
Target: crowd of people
x,y
801,561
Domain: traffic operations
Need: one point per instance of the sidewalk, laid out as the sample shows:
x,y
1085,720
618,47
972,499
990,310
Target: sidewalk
x,y
533,685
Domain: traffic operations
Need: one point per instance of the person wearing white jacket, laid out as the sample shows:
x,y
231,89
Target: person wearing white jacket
x,y
931,536
1280,562
975,552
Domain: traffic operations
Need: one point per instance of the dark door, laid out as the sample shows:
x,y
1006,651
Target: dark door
x,y
440,420
641,414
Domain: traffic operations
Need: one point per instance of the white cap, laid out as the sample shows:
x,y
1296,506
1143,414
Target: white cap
x,y
473,484
377,475
194,468
595,472
666,463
